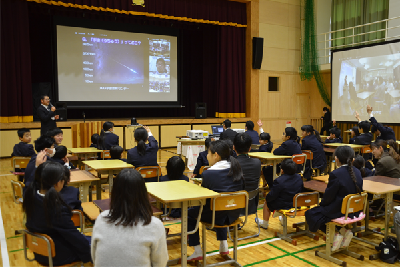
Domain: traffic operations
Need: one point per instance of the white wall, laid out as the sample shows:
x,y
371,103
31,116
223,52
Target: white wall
x,y
323,25
394,11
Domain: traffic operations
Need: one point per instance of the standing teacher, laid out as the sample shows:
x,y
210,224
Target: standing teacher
x,y
46,115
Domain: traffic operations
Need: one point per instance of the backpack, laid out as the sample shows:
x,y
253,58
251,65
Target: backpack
x,y
389,250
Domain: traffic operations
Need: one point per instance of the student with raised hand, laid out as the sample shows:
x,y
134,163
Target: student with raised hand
x,y
224,175
389,159
345,180
312,141
250,131
359,163
384,133
289,147
128,234
47,213
285,188
365,137
228,133
202,159
143,154
70,194
355,132
265,140
23,148
107,137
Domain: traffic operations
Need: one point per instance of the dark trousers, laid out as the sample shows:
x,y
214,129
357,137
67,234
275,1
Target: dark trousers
x,y
308,171
268,172
324,128
206,216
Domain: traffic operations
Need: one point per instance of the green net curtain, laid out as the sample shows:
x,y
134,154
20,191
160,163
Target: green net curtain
x,y
309,54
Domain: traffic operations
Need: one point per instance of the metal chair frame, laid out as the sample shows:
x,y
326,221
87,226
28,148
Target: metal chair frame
x,y
304,156
16,196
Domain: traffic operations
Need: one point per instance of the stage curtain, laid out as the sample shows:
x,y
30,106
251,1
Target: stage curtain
x,y
16,88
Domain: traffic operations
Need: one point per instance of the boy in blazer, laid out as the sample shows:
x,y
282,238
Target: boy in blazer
x,y
228,133
23,148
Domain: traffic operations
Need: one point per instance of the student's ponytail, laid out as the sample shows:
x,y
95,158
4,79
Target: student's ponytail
x,y
53,203
222,148
345,155
236,169
352,175
141,136
318,136
100,144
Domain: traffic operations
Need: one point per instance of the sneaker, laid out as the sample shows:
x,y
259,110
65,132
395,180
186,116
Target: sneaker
x,y
196,256
347,238
223,248
337,241
261,223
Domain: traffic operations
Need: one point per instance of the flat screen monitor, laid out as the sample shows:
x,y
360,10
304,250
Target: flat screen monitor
x,y
217,129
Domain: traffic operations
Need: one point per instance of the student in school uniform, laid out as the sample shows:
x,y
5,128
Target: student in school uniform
x,y
23,148
57,134
228,133
389,159
116,153
107,137
334,136
95,139
312,141
143,154
345,180
365,137
61,157
384,133
70,194
202,159
224,175
355,132
285,188
359,163
47,213
175,169
253,134
128,234
43,143
289,147
265,140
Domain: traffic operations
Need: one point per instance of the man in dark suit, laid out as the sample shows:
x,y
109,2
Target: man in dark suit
x,y
228,133
326,124
46,114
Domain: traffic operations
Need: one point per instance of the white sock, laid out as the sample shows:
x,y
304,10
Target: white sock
x,y
197,252
223,246
263,223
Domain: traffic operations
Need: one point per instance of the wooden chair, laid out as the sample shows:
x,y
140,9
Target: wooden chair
x,y
78,220
150,172
18,194
310,156
300,159
350,204
226,202
105,154
300,200
366,150
41,244
203,168
19,163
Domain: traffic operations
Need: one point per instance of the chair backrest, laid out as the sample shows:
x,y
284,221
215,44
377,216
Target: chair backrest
x,y
77,219
203,168
150,171
366,150
40,244
106,154
300,159
17,191
305,199
19,162
309,154
354,203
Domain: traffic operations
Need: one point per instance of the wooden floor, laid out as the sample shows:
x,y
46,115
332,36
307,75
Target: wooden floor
x,y
265,250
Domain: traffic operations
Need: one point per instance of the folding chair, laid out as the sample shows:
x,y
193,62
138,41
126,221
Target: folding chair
x,y
18,194
105,154
310,157
203,168
19,163
301,203
150,172
226,202
78,220
253,200
350,204
300,159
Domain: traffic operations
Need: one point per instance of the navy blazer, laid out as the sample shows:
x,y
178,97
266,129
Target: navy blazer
x,y
387,133
335,140
30,171
62,163
310,142
288,148
352,140
364,139
23,150
70,244
201,161
70,195
340,185
93,145
219,181
228,134
110,139
285,188
165,178
254,136
148,159
266,148
45,116
251,168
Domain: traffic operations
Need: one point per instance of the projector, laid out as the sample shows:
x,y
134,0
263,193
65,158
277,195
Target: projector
x,y
239,130
197,134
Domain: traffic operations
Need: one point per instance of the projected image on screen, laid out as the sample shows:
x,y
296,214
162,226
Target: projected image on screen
x,y
159,65
367,76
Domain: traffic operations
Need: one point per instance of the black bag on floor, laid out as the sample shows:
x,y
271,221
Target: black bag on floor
x,y
389,250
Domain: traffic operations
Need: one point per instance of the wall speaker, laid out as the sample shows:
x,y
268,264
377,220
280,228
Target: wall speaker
x,y
201,110
62,112
258,45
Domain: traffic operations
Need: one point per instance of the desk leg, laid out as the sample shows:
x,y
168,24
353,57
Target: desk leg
x,y
86,166
98,190
110,181
274,169
388,210
184,222
83,192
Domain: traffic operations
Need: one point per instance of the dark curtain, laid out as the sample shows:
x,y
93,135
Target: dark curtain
x,y
16,87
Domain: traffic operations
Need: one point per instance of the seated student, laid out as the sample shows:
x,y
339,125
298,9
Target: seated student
x,y
224,175
128,234
107,138
95,139
345,180
143,154
253,134
175,169
365,137
43,143
116,153
57,134
384,133
312,141
70,194
359,163
289,147
265,142
61,157
202,159
388,163
228,133
334,136
23,148
355,132
285,188
47,213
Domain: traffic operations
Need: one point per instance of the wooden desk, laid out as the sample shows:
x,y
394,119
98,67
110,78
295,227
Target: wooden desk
x,y
353,146
315,186
269,158
323,137
104,204
324,178
329,149
110,167
180,194
82,180
86,152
